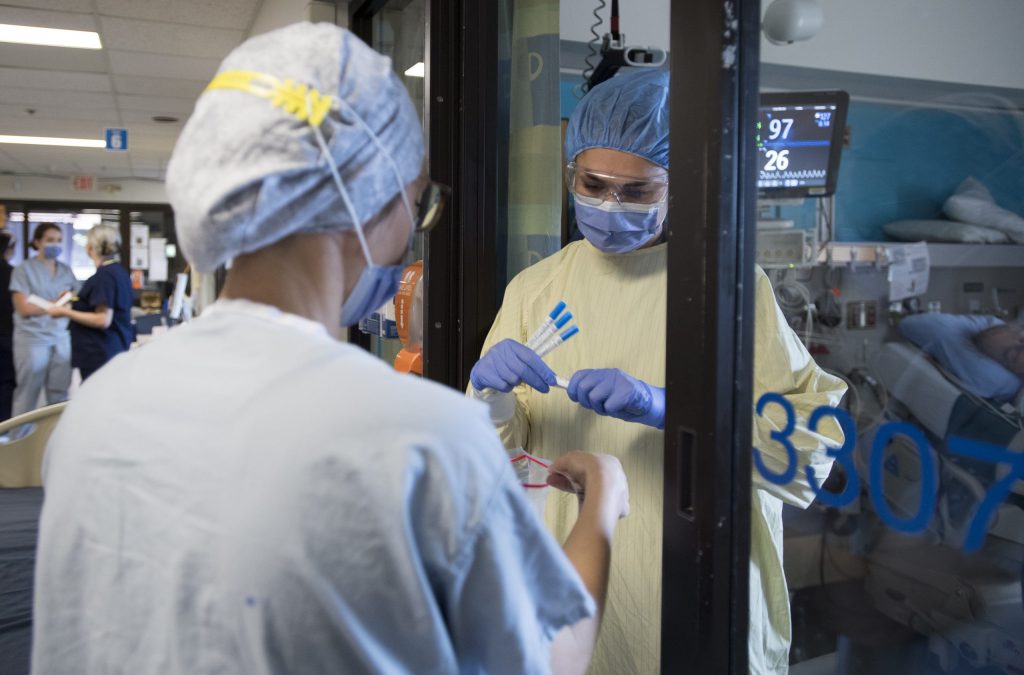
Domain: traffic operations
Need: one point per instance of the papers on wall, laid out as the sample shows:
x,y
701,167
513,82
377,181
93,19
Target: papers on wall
x,y
158,259
140,247
908,270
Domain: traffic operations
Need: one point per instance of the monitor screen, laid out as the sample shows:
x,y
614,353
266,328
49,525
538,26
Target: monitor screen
x,y
799,139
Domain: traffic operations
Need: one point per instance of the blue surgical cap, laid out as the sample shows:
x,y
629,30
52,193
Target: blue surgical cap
x,y
247,172
628,112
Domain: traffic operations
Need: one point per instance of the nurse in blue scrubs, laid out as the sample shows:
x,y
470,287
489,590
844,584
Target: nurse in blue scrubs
x,y
101,323
42,346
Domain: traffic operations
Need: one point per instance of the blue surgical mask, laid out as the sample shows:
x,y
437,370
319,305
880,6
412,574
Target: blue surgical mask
x,y
52,251
377,283
618,228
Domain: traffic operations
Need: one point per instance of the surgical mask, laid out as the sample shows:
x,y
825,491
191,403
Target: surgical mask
x,y
614,227
52,251
377,283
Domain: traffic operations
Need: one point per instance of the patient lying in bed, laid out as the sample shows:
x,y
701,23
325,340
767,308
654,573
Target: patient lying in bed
x,y
983,353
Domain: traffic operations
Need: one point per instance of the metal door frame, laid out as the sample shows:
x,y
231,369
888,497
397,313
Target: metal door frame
x,y
712,214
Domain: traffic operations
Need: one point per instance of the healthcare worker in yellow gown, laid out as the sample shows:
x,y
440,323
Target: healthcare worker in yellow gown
x,y
615,284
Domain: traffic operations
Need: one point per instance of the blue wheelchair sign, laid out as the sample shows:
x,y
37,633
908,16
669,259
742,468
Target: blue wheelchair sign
x,y
117,139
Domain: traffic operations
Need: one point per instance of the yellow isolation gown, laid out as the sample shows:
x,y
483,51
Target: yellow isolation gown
x,y
619,304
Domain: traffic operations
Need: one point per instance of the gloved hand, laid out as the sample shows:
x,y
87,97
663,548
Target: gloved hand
x,y
508,364
612,392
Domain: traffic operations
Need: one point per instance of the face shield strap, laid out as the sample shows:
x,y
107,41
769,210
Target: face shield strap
x,y
326,156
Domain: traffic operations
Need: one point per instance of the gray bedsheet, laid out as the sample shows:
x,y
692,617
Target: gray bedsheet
x,y
19,526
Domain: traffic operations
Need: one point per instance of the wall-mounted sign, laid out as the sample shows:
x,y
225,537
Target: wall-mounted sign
x,y
139,249
83,183
117,139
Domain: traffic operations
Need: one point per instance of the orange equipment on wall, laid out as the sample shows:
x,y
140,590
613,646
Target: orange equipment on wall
x,y
409,319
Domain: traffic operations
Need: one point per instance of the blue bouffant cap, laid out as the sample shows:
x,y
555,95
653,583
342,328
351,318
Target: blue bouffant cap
x,y
247,170
628,112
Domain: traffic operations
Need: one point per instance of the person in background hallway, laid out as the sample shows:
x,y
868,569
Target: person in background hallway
x,y
42,346
6,327
101,322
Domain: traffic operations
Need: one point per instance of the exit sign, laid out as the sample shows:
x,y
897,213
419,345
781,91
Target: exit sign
x,y
83,183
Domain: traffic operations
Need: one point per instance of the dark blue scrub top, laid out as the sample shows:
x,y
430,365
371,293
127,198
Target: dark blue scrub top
x,y
91,347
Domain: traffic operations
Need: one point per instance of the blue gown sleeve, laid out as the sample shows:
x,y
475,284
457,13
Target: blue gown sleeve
x,y
513,590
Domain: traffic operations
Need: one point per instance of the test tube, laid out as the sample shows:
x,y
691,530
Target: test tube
x,y
548,322
555,341
553,328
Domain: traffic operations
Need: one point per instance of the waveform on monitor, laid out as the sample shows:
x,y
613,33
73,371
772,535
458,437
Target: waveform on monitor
x,y
805,174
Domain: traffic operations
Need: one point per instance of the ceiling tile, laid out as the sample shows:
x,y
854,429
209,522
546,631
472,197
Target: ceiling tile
x,y
9,163
160,65
34,17
157,105
31,78
16,113
143,121
64,160
76,99
53,58
84,6
159,86
151,145
235,14
168,38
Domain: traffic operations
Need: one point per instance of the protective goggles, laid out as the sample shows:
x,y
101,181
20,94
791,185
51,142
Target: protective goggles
x,y
430,206
624,189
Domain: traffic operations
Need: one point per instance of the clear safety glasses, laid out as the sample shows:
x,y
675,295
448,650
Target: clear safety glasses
x,y
430,206
624,189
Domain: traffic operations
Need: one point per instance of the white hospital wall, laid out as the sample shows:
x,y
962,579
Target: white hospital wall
x,y
44,188
975,42
274,14
645,22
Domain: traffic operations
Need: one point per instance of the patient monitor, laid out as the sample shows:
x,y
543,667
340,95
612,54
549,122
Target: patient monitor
x,y
799,140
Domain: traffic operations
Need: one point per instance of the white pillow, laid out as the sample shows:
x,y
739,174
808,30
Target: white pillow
x,y
973,203
939,230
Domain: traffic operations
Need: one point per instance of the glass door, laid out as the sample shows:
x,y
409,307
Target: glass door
x,y
503,81
398,29
891,226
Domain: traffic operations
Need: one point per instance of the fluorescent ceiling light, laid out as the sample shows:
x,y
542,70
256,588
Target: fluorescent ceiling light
x,y
47,140
50,37
86,221
416,71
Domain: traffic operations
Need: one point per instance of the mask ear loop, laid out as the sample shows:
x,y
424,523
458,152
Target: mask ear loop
x,y
341,186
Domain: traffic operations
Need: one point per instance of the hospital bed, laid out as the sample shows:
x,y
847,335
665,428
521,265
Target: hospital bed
x,y
969,605
22,441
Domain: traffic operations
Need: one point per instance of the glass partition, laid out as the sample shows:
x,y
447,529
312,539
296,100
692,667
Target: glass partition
x,y
609,304
903,499
395,334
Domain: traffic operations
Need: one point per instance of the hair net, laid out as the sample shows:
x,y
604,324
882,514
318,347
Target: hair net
x,y
628,112
246,172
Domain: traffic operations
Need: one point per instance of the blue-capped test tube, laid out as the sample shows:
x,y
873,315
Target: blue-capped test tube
x,y
546,327
551,330
556,341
